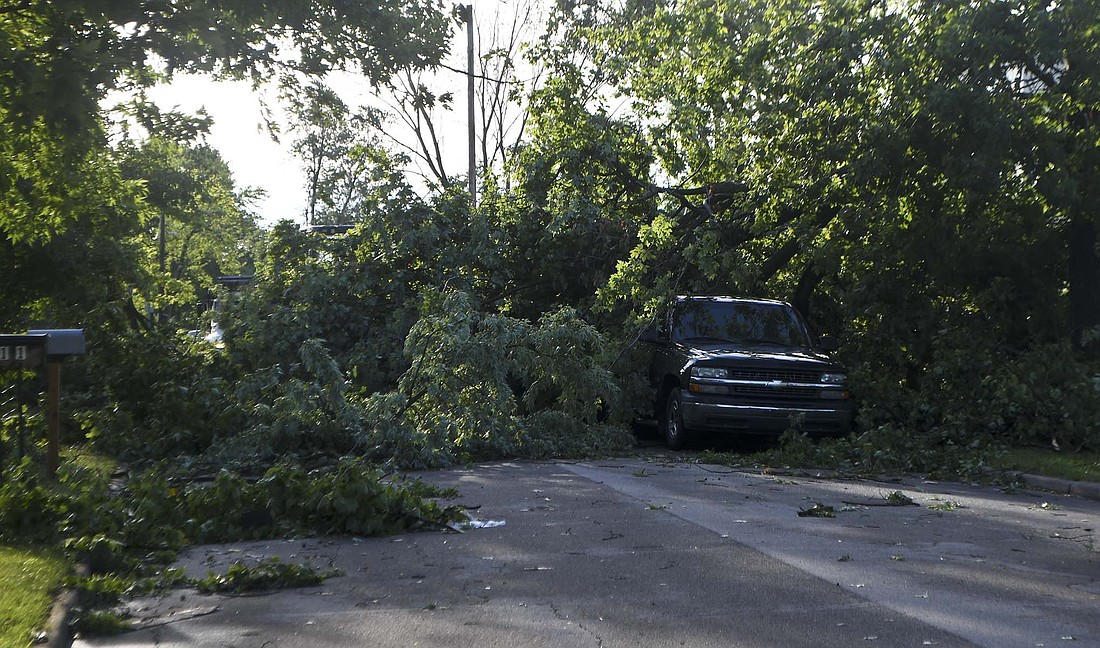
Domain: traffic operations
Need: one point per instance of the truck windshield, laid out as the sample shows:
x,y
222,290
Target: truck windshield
x,y
731,321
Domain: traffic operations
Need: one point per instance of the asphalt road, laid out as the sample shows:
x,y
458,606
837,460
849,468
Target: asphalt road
x,y
639,552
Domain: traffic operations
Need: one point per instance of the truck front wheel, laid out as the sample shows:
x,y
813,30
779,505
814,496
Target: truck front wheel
x,y
676,435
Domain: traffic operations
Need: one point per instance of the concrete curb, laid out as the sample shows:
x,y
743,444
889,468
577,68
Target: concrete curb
x,y
1088,490
59,632
59,627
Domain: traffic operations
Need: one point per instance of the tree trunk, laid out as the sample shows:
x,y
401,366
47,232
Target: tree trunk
x,y
1084,276
804,291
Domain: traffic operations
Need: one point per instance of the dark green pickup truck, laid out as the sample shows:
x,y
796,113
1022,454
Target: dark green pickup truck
x,y
743,366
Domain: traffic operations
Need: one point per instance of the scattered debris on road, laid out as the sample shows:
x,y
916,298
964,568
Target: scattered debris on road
x,y
818,510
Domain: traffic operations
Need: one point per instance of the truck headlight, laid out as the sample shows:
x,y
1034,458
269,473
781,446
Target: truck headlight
x,y
709,372
833,378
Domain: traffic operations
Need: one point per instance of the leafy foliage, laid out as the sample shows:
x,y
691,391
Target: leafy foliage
x,y
344,344
482,385
196,224
25,513
350,175
100,623
885,450
121,536
897,177
66,55
155,394
266,575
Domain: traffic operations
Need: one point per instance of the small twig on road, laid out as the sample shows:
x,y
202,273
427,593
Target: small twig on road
x,y
716,472
850,503
1057,536
186,615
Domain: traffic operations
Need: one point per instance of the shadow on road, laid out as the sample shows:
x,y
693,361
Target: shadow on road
x,y
647,435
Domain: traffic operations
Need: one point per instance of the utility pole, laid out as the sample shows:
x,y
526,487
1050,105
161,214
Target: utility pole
x,y
468,14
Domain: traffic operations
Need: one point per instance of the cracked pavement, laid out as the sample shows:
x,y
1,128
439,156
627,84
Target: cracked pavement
x,y
639,552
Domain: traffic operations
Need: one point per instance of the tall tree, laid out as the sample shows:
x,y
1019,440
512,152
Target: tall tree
x,y
59,177
349,173
66,55
197,226
868,142
507,79
422,103
1033,69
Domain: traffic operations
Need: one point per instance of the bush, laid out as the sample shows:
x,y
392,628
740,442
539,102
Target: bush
x,y
154,395
1048,396
966,386
290,412
28,510
885,450
482,385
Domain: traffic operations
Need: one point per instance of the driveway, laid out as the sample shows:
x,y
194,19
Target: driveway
x,y
642,552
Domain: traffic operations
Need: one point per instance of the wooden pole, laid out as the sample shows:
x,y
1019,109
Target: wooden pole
x,y
470,88
21,425
53,415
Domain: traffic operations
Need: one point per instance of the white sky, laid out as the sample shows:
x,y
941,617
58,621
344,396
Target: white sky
x,y
257,161
252,156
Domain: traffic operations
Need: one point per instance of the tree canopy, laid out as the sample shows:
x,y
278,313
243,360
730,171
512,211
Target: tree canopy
x,y
62,186
920,176
63,57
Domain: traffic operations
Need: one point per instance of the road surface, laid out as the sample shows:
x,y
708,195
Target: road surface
x,y
648,552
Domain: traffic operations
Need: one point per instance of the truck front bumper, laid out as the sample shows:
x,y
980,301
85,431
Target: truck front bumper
x,y
763,419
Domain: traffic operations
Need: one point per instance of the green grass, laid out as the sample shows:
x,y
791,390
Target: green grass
x,y
29,579
98,465
1080,466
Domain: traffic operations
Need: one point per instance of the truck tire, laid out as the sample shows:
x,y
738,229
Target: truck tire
x,y
672,421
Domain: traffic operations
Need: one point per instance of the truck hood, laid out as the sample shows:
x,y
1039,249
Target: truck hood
x,y
763,354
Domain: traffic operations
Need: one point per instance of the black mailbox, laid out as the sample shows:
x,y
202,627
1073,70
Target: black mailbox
x,y
22,351
62,342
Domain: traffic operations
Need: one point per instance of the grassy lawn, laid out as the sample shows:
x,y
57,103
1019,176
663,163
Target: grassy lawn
x,y
29,579
32,575
1081,466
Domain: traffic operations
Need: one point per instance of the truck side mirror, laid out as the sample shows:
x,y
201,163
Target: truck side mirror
x,y
828,344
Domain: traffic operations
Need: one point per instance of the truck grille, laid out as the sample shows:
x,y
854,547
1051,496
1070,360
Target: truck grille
x,y
767,375
773,392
